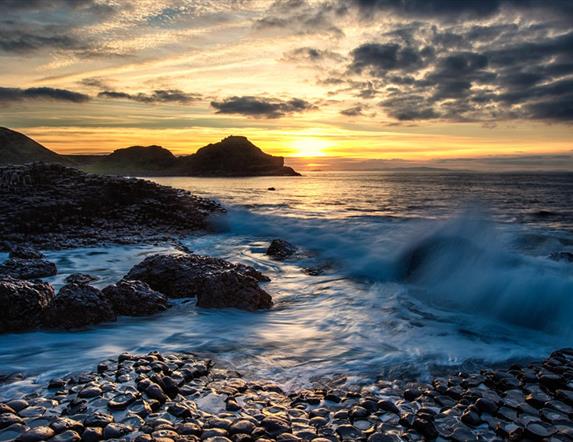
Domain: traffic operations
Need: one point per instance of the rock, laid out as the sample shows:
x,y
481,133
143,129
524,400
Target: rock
x,y
272,189
115,431
80,278
67,436
215,282
77,306
25,253
20,268
36,434
280,249
92,434
135,298
22,303
98,419
7,419
275,426
57,207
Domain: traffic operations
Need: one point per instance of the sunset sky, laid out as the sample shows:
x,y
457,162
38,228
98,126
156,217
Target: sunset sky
x,y
386,79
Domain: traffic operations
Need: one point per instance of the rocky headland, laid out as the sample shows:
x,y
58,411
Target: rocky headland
x,y
181,397
50,206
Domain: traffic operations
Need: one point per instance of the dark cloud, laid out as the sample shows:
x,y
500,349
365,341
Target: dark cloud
x,y
157,96
13,95
16,41
379,59
261,107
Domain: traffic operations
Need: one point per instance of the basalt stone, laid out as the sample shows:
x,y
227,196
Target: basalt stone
x,y
135,298
22,303
539,430
388,406
348,432
7,419
63,424
213,432
189,429
121,401
281,249
115,431
11,433
27,268
358,412
36,434
92,434
154,391
80,278
275,426
77,306
67,436
18,404
90,392
215,282
98,419
486,406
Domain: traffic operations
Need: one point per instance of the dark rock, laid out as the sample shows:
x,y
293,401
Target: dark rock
x,y
22,303
275,426
36,434
281,249
98,419
80,278
63,424
121,401
7,419
486,406
215,282
154,391
348,432
92,434
90,391
115,431
135,298
25,253
358,412
539,430
51,206
18,404
27,268
67,436
471,418
77,306
389,406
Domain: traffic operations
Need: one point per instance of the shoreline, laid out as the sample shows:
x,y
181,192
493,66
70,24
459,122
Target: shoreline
x,y
181,397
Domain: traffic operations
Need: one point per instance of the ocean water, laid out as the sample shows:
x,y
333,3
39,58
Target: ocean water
x,y
410,274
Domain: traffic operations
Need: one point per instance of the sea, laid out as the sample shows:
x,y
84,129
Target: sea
x,y
398,274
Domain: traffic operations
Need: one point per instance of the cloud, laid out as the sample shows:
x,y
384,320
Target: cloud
x,y
379,59
16,41
311,55
300,17
13,95
353,111
157,96
261,107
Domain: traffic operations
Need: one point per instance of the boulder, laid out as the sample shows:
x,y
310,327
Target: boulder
x,y
23,268
135,298
281,249
76,306
214,281
22,303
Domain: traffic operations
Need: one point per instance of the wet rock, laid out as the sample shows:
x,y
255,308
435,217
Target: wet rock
x,y
121,401
154,391
27,268
98,419
67,436
63,424
348,432
135,298
242,426
11,433
7,419
358,412
281,249
92,434
77,306
80,278
115,431
21,252
90,392
36,434
275,426
22,303
215,282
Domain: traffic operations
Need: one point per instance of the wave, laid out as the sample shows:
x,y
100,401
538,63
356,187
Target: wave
x,y
467,263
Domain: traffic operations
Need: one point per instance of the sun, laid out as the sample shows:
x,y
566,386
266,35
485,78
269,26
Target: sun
x,y
309,147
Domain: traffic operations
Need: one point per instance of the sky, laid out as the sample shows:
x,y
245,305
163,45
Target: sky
x,y
346,82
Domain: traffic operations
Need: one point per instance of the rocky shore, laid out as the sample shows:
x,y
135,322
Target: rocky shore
x,y
181,397
51,206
